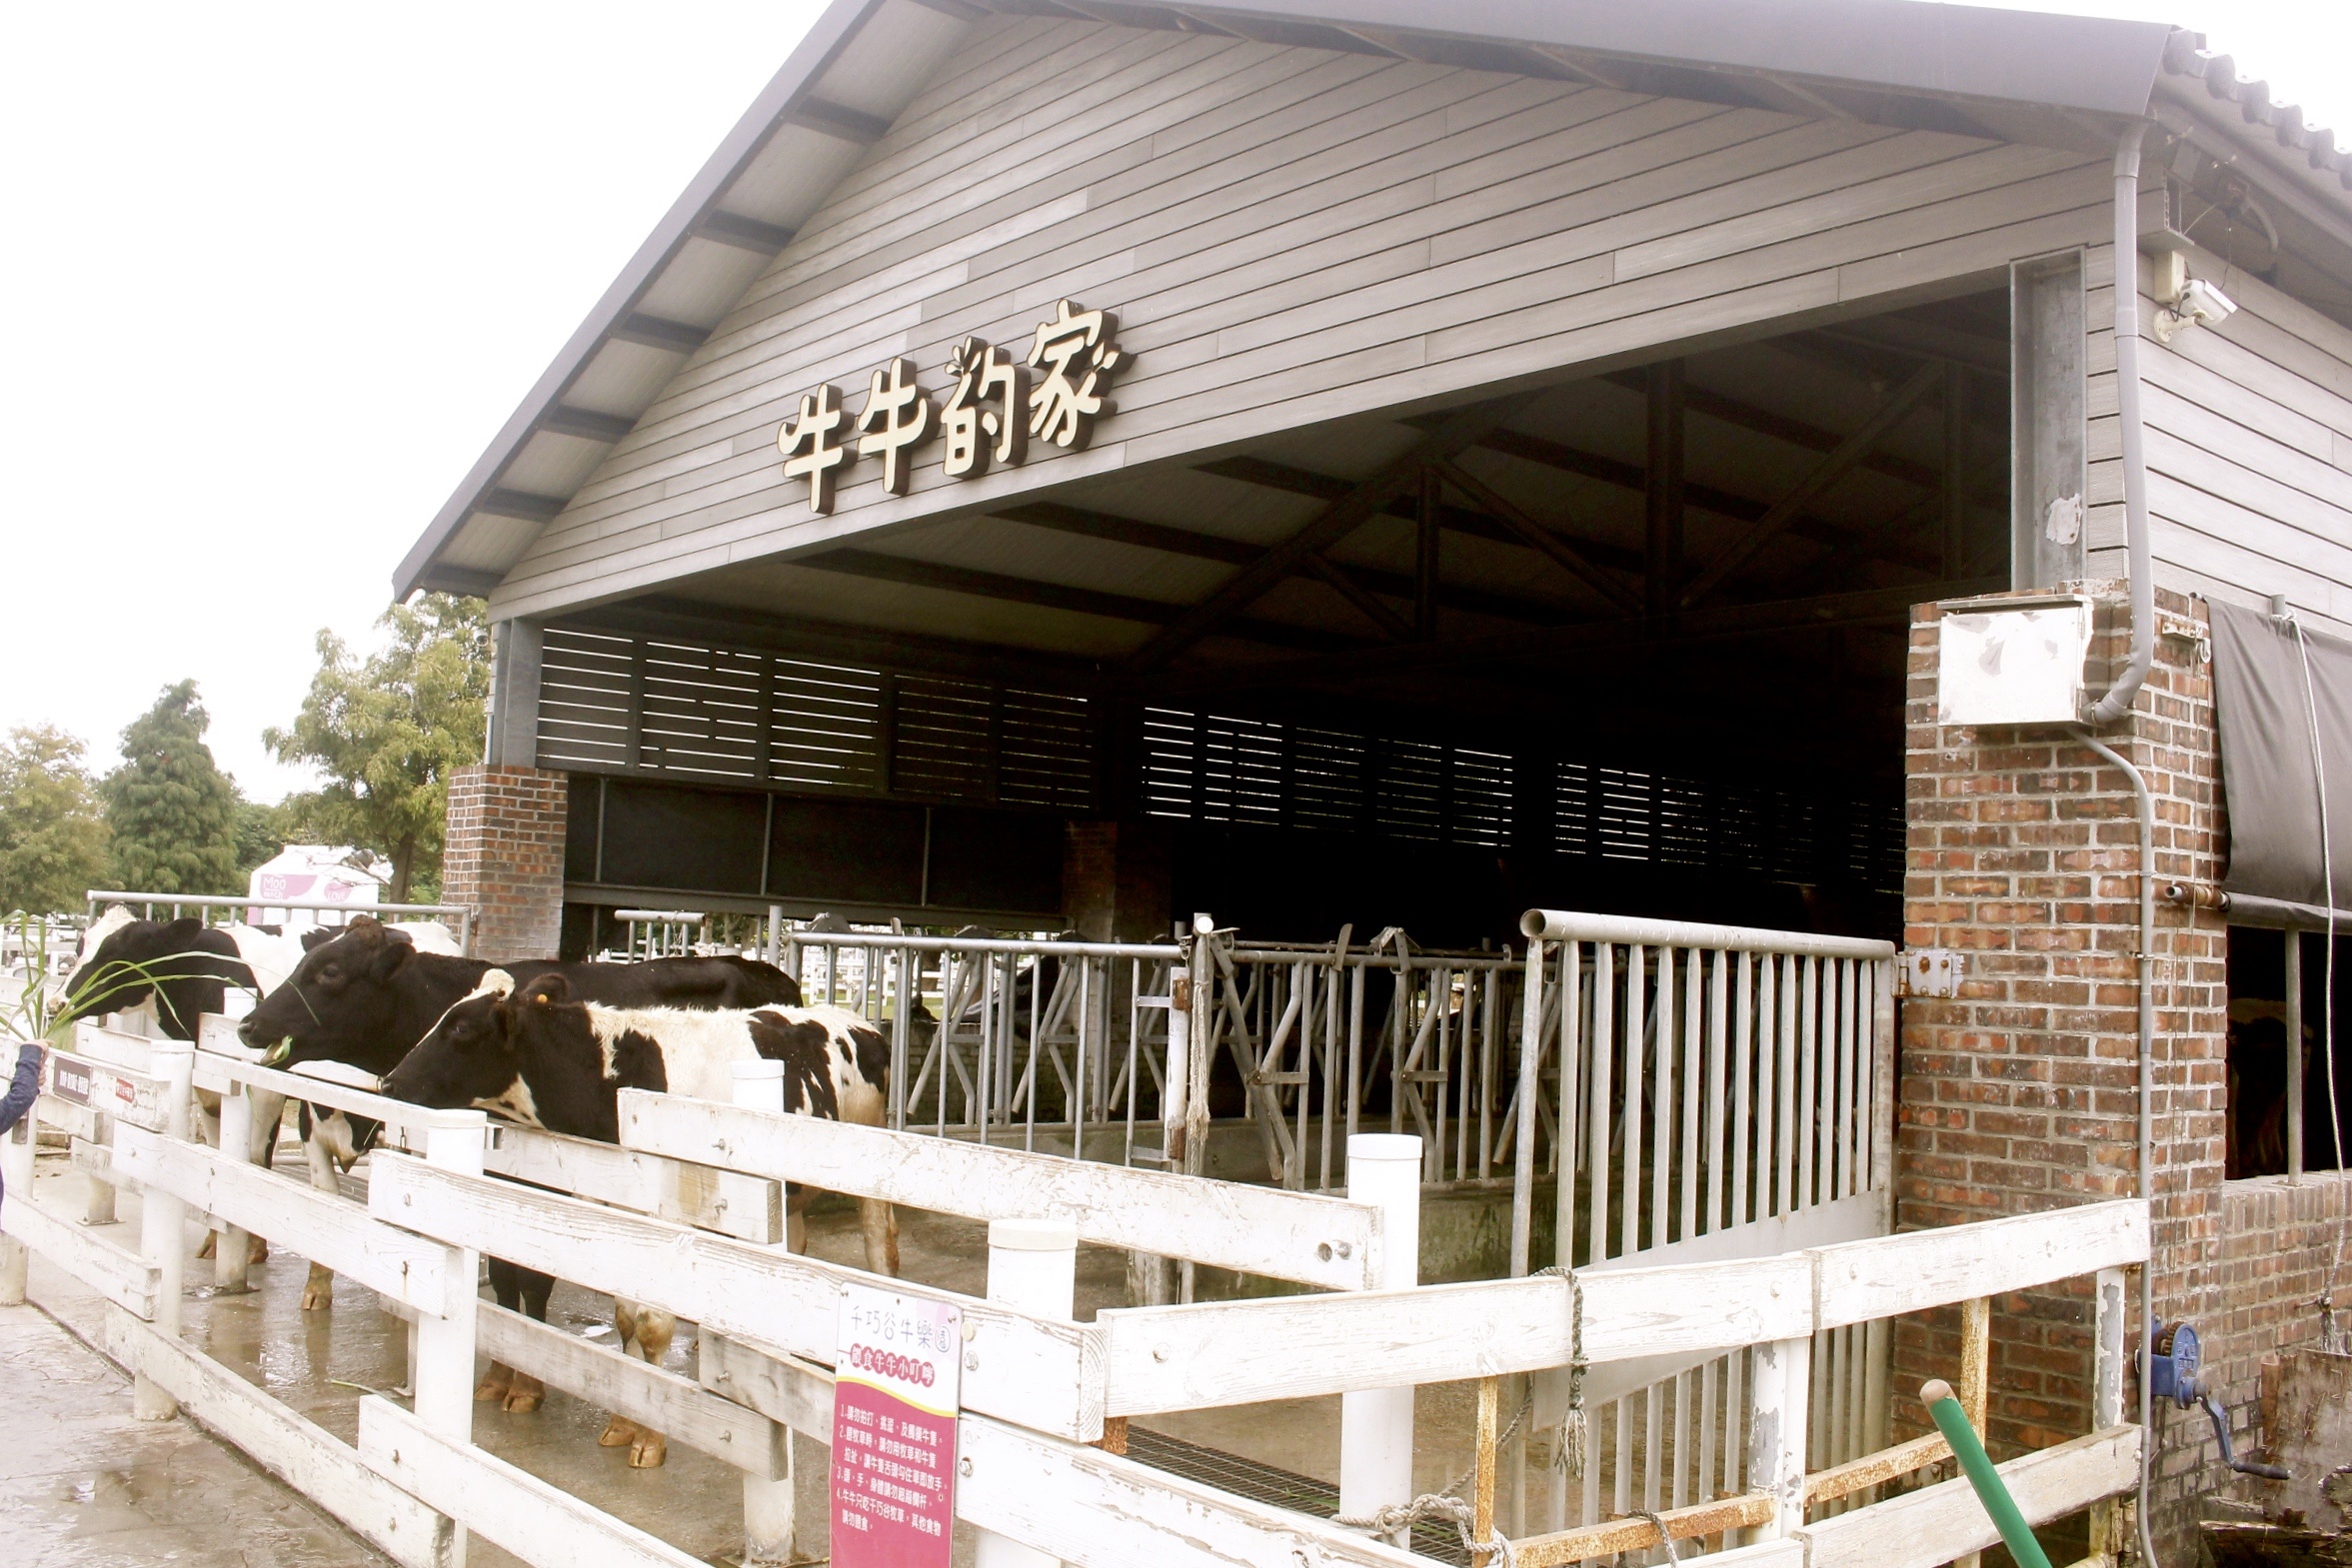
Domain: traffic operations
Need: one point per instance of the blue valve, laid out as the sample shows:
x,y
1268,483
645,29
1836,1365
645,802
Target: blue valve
x,y
2173,1367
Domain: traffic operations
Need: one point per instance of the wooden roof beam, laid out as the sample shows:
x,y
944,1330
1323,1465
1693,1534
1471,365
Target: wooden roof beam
x,y
1848,456
655,332
1456,432
1053,596
1090,524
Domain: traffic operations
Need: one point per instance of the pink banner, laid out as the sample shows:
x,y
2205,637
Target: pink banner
x,y
893,1430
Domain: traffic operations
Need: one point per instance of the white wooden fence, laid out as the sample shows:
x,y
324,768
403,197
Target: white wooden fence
x,y
1040,1390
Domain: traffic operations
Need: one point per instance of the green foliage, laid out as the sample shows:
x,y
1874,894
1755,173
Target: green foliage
x,y
173,812
261,834
387,730
52,833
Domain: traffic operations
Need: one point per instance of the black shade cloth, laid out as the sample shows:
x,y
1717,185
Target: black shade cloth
x,y
2271,682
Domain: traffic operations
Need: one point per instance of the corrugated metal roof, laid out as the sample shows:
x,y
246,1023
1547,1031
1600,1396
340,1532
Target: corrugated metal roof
x,y
864,61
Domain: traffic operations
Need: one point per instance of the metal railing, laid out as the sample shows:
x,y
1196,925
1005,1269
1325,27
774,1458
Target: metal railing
x,y
204,906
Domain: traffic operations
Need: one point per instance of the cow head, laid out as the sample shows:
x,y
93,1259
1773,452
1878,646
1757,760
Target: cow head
x,y
475,1055
337,1004
184,964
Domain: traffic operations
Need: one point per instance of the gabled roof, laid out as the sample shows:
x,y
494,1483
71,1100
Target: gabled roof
x,y
2023,76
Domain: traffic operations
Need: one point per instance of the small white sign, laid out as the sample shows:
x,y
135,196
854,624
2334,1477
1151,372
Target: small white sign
x,y
2012,667
896,1378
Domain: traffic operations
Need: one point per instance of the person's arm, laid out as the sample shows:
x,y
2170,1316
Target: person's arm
x,y
19,1098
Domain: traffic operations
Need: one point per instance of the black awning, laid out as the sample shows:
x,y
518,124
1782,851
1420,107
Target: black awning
x,y
2282,695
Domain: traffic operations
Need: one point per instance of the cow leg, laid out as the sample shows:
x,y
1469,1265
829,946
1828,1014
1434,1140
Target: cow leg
x,y
796,1218
321,1151
204,1115
654,1334
620,1431
268,1111
879,1222
528,1392
506,1286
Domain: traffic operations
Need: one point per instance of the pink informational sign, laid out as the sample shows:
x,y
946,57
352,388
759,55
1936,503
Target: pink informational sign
x,y
893,1429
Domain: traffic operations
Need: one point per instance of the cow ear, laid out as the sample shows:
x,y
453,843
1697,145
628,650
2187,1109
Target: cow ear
x,y
182,931
549,990
389,957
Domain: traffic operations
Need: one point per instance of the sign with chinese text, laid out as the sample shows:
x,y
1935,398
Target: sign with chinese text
x,y
69,1077
993,410
893,1429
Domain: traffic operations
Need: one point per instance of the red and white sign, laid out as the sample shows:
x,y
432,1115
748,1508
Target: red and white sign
x,y
893,1429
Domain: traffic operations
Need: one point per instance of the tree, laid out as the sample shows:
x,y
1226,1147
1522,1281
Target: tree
x,y
172,810
386,731
52,833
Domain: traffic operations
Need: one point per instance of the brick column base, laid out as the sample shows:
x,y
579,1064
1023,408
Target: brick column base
x,y
1117,880
2022,1094
504,857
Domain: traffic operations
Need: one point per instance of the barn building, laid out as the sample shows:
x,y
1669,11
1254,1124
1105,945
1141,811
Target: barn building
x,y
1074,462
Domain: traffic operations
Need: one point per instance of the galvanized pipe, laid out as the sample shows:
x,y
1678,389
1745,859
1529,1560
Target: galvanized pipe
x,y
2119,697
1565,925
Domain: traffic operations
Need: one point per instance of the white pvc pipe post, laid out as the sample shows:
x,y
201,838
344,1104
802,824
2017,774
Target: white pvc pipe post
x,y
161,1218
1033,1268
1782,1373
443,1378
232,1248
16,1176
1376,1426
769,1523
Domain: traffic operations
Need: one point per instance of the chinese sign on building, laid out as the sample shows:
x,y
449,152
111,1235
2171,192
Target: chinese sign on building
x,y
994,407
893,1429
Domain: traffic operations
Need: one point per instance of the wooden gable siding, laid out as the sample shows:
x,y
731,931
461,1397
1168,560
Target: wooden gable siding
x,y
1290,236
2249,449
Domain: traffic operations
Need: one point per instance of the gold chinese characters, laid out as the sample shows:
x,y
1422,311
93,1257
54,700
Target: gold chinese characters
x,y
990,415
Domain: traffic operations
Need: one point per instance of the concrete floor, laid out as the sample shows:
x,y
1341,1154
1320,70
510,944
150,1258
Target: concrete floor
x,y
89,1486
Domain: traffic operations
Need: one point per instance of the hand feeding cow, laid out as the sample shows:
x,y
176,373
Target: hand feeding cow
x,y
531,1054
365,998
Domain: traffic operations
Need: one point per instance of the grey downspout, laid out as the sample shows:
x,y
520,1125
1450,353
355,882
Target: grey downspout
x,y
2115,704
2119,697
2146,963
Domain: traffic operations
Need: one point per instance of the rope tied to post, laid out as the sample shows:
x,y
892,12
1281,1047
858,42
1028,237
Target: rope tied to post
x,y
1575,1431
1399,1517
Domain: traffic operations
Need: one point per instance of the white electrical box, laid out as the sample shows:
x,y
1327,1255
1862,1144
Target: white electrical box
x,y
2013,667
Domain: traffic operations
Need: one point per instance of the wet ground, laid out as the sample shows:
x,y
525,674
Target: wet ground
x,y
83,1484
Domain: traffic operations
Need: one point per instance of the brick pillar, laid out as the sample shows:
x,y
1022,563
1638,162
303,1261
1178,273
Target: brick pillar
x,y
1115,881
2021,1094
504,857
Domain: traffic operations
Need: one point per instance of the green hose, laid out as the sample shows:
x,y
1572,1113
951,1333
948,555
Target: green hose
x,y
1952,1421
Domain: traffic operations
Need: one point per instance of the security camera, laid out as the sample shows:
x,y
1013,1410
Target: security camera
x,y
2200,303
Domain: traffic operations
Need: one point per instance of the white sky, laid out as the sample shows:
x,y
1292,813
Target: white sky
x,y
277,272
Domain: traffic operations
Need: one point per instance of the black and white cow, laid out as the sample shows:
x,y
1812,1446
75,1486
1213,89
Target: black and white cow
x,y
365,998
531,1054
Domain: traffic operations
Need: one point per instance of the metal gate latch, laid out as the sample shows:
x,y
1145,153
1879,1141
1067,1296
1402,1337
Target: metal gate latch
x,y
1929,971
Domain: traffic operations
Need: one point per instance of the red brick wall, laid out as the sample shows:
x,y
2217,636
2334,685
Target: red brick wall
x,y
503,855
2021,1094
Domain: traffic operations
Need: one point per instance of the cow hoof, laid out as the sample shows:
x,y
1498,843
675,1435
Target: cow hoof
x,y
619,1432
317,1297
260,1252
649,1452
494,1383
525,1396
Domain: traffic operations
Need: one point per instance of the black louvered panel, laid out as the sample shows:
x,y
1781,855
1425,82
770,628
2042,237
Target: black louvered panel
x,y
1626,812
702,712
584,701
1742,827
943,749
1240,771
1046,754
1409,799
1685,823
1795,838
1576,808
1168,763
1482,799
1327,781
825,726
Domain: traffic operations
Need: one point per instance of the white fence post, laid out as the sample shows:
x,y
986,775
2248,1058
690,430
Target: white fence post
x,y
1033,1266
162,1239
768,1517
1783,1375
441,1374
1376,1426
232,1248
16,1176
